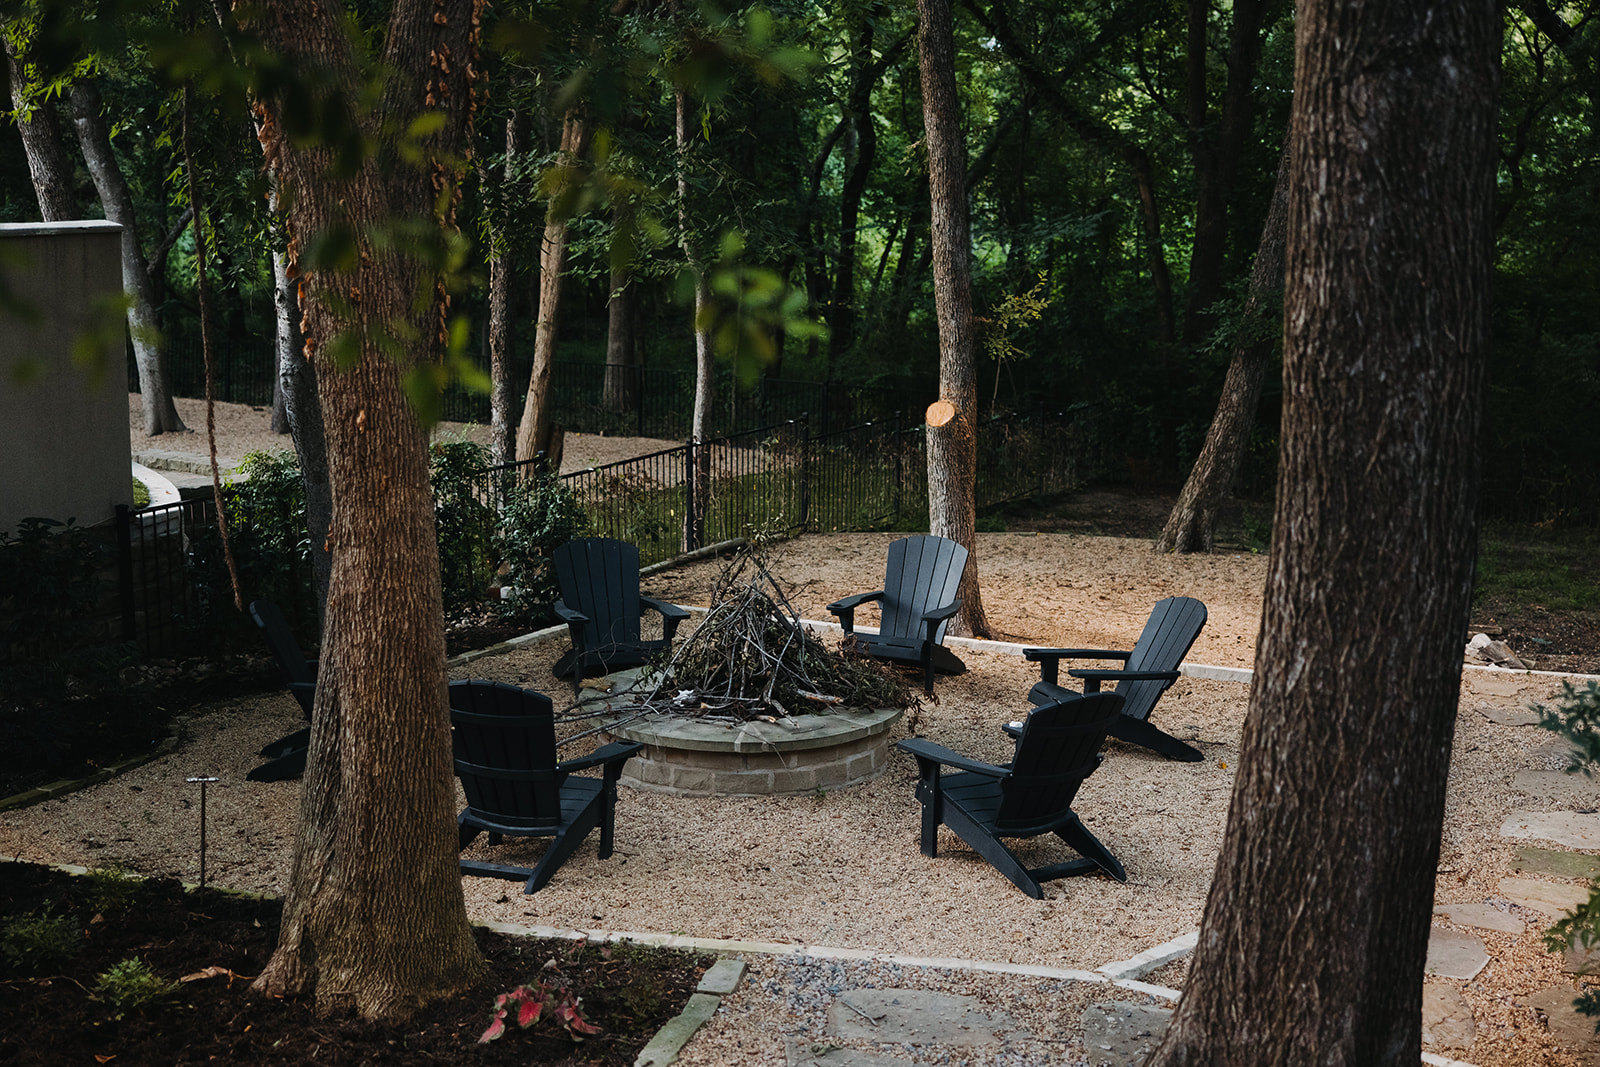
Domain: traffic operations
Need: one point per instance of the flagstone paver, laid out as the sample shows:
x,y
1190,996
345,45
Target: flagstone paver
x,y
1503,716
1573,1030
918,1016
1558,862
1481,917
1552,898
1452,954
1572,829
1555,785
822,1054
1120,1034
1446,1017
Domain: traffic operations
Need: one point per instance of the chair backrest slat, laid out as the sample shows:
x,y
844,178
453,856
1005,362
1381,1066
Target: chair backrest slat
x,y
921,573
504,743
599,576
1059,748
1169,634
280,641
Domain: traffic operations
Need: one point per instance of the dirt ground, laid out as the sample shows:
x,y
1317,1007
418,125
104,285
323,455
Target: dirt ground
x,y
843,869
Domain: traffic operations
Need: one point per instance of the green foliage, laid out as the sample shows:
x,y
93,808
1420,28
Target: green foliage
x,y
267,529
37,942
460,474
1257,529
131,986
1013,312
1576,717
112,889
141,494
540,515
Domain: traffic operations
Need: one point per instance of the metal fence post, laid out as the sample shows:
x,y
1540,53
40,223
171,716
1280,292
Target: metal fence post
x,y
805,469
124,526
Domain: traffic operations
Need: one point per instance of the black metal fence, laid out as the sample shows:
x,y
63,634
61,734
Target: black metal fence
x,y
175,594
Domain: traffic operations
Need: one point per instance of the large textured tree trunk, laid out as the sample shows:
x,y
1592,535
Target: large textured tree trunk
x,y
952,445
160,415
1316,927
48,163
1192,525
536,434
374,919
502,316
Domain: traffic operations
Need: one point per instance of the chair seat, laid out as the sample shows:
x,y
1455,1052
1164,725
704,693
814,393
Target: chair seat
x,y
908,651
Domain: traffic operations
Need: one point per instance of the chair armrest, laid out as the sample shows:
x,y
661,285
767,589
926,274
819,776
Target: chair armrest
x,y
667,609
928,753
846,609
617,752
671,615
1049,659
567,615
1126,676
938,615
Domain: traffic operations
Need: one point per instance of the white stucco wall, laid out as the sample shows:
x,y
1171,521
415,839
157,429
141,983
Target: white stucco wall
x,y
63,427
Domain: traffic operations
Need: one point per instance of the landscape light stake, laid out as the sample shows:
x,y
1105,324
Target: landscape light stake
x,y
202,782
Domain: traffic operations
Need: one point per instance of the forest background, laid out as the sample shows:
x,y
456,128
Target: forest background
x,y
1121,165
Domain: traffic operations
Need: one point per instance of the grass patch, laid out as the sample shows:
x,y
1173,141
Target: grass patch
x,y
1534,567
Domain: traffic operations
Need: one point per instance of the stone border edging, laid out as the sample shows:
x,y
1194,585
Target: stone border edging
x,y
55,789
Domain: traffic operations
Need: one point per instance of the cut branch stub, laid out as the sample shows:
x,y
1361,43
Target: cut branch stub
x,y
940,412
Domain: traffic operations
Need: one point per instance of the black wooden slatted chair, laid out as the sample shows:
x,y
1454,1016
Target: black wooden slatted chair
x,y
505,755
1059,747
1148,671
603,608
916,603
286,757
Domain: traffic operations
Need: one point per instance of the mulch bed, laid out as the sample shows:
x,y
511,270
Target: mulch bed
x,y
55,1016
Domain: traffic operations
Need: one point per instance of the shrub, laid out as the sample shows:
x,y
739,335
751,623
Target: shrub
x,y
36,942
112,889
465,521
131,986
540,515
1577,718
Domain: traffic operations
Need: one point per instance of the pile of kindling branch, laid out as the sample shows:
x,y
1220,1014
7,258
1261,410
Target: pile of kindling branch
x,y
751,659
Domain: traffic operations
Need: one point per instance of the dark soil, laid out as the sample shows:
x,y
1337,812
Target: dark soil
x,y
53,1015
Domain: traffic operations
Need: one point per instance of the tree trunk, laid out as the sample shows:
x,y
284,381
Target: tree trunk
x,y
952,446
704,353
48,163
1193,523
1316,926
502,316
537,432
375,920
623,392
160,415
302,409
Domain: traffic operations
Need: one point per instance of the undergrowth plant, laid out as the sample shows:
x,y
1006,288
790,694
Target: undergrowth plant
x,y
131,986
547,999
1576,717
112,889
39,941
540,515
459,470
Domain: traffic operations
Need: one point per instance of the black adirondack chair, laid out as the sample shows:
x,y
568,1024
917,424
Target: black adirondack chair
x,y
916,603
286,757
1148,671
602,607
1059,747
505,755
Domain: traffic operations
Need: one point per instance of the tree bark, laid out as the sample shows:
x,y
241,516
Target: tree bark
x,y
48,163
1193,523
302,410
375,920
704,353
1316,926
160,414
623,392
502,316
537,432
952,447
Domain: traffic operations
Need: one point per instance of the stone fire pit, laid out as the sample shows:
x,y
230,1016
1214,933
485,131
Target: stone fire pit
x,y
693,757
